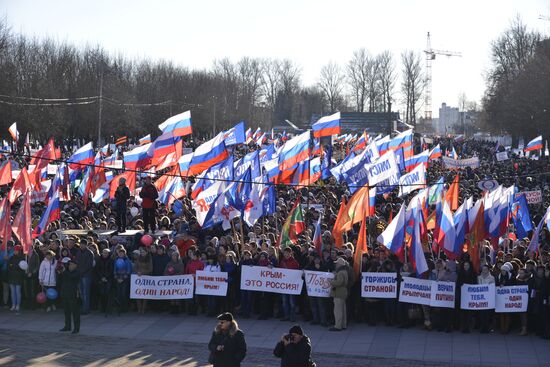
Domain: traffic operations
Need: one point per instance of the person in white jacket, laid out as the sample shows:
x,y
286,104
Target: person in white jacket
x,y
46,276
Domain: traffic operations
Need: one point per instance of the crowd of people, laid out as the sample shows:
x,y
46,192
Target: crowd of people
x,y
91,271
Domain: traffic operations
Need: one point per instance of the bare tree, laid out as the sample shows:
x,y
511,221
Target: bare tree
x,y
331,82
412,85
271,81
387,78
357,77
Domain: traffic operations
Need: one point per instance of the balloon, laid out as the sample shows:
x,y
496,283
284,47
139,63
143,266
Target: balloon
x,y
147,240
119,264
51,293
23,265
41,298
134,211
170,270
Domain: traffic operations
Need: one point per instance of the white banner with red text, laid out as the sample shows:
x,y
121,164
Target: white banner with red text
x,y
318,283
274,280
211,283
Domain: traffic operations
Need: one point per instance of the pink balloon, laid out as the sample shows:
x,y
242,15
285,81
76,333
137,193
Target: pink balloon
x,y
147,240
41,298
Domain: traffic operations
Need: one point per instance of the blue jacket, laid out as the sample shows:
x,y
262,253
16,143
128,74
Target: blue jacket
x,y
126,270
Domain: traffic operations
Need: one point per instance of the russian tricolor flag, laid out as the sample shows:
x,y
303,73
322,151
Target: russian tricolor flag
x,y
294,151
317,240
435,152
535,144
394,234
180,124
137,157
327,126
82,157
207,155
51,214
13,131
163,145
446,234
414,161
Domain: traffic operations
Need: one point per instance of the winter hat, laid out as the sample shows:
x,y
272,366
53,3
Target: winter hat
x,y
226,316
507,267
296,329
340,262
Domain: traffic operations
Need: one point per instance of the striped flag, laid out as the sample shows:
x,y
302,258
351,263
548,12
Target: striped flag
x,y
122,140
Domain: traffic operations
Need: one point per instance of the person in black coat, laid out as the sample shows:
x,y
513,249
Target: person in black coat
x,y
227,345
69,294
294,349
122,194
104,274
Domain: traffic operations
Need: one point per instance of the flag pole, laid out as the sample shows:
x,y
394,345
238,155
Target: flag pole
x,y
242,234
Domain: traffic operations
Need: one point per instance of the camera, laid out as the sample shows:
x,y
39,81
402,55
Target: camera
x,y
289,337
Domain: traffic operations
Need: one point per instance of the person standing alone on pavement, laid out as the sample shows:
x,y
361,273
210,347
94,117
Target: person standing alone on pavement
x,y
70,279
149,194
227,345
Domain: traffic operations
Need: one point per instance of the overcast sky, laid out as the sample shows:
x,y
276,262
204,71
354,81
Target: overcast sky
x,y
311,33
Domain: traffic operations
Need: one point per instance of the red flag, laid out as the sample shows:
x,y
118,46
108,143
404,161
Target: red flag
x,y
341,218
20,186
5,174
452,194
22,225
5,227
476,235
361,246
96,179
357,208
130,182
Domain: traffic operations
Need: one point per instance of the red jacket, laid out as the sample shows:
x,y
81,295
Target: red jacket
x,y
149,194
193,266
289,263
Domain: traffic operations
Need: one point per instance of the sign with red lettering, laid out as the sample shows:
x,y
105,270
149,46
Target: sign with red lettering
x,y
443,294
318,283
512,299
274,280
379,285
164,287
415,290
477,297
211,283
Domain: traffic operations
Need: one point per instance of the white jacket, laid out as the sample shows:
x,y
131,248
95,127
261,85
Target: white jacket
x,y
46,273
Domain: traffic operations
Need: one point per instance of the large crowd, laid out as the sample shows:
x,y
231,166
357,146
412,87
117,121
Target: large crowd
x,y
91,271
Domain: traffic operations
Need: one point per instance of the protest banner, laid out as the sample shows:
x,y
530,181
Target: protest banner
x,y
382,168
414,180
162,287
379,285
417,291
454,164
532,197
275,280
502,156
52,169
211,283
318,283
443,294
477,297
512,299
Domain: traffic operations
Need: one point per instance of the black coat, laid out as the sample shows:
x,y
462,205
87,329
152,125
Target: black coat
x,y
15,274
294,354
104,268
122,194
234,348
69,283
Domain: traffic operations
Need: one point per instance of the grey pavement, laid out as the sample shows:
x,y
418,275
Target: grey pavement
x,y
359,345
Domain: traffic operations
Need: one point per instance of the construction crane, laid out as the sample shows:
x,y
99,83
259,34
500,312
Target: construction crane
x,y
430,56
